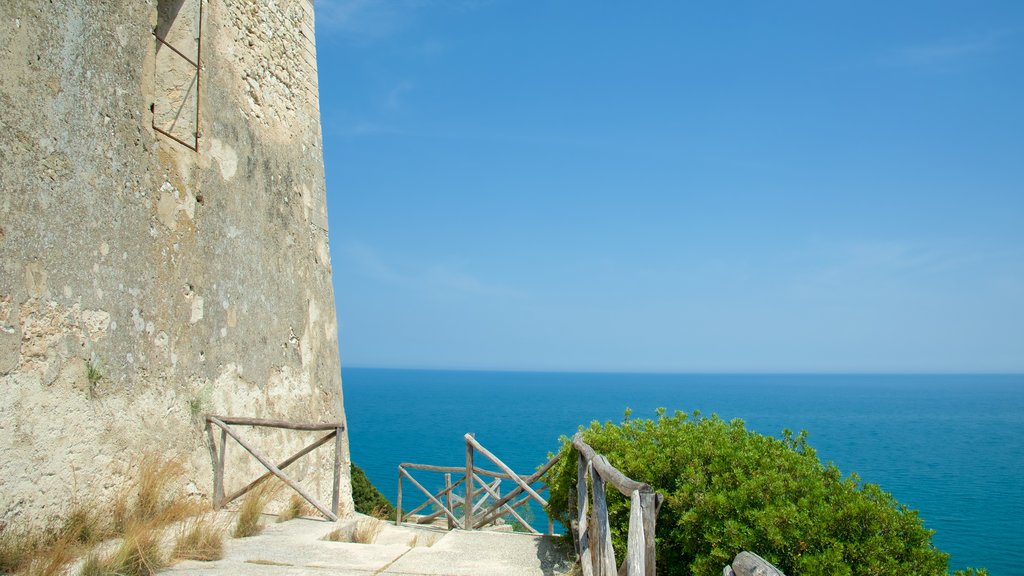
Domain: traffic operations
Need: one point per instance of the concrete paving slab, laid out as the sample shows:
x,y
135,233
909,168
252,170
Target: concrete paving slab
x,y
295,548
298,548
461,553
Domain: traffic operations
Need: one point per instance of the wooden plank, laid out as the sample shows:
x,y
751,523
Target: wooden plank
x,y
493,511
336,492
518,490
635,547
398,500
427,492
444,492
455,469
515,477
282,466
430,468
583,469
650,502
218,474
243,421
604,554
750,564
223,462
259,455
448,499
467,509
506,507
609,473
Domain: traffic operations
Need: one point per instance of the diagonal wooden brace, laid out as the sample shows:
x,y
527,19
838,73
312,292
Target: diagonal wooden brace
x,y
259,455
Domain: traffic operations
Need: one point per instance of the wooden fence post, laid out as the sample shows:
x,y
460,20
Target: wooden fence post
x,y
467,506
650,502
635,547
398,502
583,470
448,497
336,496
604,555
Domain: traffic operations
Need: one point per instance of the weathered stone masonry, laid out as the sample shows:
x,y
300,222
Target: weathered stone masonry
x,y
143,283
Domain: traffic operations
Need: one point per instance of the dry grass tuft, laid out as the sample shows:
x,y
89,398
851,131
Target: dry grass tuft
x,y
44,552
53,560
367,530
18,547
296,507
138,555
152,501
136,514
85,526
383,512
248,522
200,539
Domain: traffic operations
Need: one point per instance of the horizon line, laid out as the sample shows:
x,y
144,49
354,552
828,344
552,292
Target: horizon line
x,y
690,372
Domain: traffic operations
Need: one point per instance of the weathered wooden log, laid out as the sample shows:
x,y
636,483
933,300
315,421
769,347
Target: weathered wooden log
x,y
427,492
750,564
259,455
518,490
583,469
635,547
609,473
470,441
336,488
456,469
651,504
426,503
727,571
244,421
467,516
398,500
509,510
281,466
494,512
448,498
218,470
604,554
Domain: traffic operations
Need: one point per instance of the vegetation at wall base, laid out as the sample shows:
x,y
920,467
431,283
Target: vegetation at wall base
x,y
367,499
728,489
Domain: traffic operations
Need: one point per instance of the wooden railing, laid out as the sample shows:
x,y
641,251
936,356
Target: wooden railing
x,y
474,514
591,532
225,423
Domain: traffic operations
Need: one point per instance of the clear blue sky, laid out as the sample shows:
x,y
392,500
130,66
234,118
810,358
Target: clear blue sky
x,y
676,186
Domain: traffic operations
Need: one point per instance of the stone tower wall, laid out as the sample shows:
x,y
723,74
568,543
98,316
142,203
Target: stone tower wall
x,y
144,284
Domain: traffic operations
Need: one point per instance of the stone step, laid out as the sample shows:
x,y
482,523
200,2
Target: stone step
x,y
298,548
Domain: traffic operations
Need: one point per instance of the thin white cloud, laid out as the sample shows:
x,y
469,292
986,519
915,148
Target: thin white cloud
x,y
876,263
365,261
379,19
363,128
364,19
948,53
394,100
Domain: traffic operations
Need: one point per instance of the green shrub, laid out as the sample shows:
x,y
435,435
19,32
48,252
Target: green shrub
x,y
366,497
728,489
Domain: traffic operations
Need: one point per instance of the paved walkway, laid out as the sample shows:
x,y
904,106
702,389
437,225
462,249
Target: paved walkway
x,y
297,548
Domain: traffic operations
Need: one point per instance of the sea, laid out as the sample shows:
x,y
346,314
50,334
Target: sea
x,y
948,446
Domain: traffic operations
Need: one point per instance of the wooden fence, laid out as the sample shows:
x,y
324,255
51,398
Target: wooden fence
x,y
591,532
476,492
225,423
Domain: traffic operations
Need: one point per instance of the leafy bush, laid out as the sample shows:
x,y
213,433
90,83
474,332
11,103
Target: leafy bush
x,y
366,497
728,489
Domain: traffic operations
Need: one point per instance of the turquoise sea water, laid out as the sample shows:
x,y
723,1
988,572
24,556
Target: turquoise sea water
x,y
950,446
